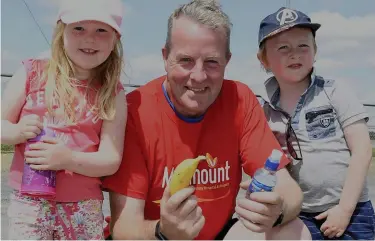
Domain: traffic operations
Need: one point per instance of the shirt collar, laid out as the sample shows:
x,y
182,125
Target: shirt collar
x,y
273,89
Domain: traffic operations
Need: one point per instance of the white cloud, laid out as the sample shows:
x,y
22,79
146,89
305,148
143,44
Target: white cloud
x,y
7,55
327,64
345,44
9,61
331,47
347,39
248,71
336,26
352,84
44,54
142,69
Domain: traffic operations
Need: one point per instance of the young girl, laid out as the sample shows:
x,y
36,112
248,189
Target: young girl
x,y
322,126
78,93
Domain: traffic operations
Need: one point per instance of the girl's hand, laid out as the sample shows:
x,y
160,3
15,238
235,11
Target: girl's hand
x,y
29,127
50,154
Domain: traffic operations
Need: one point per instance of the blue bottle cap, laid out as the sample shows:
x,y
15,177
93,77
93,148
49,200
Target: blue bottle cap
x,y
273,161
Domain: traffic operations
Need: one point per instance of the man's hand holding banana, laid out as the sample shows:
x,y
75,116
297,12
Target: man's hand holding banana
x,y
180,215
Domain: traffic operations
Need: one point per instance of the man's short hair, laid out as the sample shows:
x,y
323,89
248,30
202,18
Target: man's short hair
x,y
206,12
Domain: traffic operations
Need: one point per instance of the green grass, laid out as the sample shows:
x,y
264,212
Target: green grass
x,y
6,160
7,148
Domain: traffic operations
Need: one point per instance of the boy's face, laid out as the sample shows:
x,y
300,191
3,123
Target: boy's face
x,y
290,54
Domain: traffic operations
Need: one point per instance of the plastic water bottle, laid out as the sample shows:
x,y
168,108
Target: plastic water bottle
x,y
38,183
264,179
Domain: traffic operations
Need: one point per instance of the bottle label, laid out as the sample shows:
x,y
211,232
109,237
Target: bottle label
x,y
256,186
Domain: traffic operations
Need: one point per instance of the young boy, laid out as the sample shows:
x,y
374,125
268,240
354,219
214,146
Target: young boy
x,y
322,127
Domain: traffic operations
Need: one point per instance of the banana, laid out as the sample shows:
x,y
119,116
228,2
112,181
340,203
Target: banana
x,y
183,173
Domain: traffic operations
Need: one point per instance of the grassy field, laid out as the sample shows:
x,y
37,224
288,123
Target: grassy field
x,y
6,160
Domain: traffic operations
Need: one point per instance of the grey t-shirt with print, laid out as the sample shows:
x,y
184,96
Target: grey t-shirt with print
x,y
324,110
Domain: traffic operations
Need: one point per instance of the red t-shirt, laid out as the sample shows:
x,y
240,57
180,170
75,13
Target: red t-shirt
x,y
233,131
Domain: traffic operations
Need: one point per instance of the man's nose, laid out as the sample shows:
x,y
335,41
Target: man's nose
x,y
198,73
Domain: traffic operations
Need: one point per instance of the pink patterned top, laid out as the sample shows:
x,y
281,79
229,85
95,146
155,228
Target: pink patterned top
x,y
83,136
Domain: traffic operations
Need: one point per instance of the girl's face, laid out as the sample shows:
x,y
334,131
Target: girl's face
x,y
88,43
290,55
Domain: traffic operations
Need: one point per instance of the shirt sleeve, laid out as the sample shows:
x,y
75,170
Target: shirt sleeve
x,y
131,179
347,105
257,140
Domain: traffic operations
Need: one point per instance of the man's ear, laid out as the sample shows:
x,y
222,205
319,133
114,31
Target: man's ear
x,y
229,56
165,53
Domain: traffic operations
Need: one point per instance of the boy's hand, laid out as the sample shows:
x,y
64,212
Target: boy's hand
x,y
337,220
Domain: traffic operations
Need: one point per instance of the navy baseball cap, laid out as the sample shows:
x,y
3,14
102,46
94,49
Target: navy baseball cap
x,y
284,19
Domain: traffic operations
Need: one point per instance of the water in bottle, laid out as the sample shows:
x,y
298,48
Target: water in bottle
x,y
264,179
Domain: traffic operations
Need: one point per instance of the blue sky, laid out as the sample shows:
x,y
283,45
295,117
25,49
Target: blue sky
x,y
346,40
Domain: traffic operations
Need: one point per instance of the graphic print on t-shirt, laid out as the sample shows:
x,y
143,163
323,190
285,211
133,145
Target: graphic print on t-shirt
x,y
211,179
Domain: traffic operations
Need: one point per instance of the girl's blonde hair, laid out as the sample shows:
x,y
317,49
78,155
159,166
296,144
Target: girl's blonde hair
x,y
61,86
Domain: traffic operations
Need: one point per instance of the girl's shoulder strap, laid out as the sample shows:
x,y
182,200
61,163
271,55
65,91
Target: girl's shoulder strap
x,y
34,69
119,87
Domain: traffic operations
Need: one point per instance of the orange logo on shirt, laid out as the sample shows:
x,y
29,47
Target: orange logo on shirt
x,y
211,162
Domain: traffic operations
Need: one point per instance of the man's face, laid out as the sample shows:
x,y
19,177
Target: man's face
x,y
195,66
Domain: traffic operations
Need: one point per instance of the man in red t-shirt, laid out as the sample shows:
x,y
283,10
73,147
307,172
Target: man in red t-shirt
x,y
189,112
